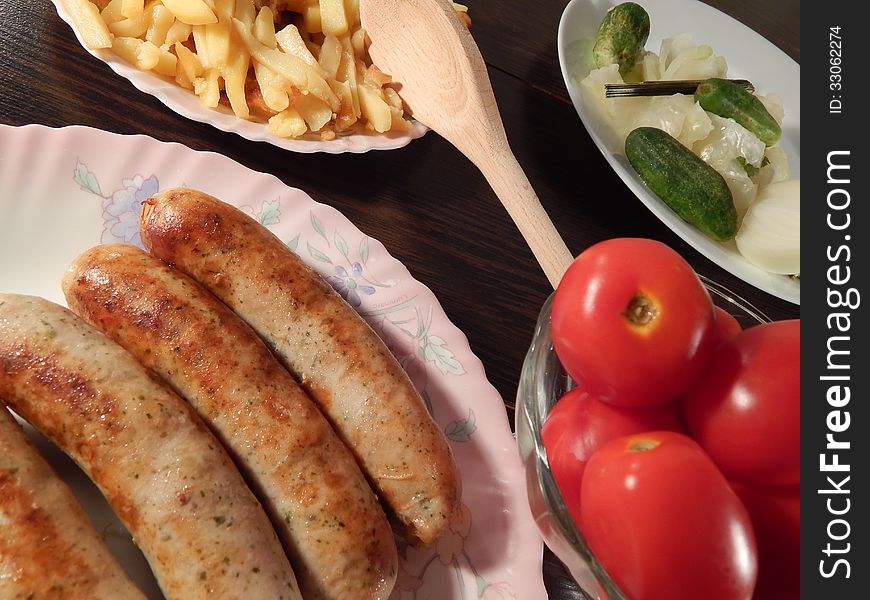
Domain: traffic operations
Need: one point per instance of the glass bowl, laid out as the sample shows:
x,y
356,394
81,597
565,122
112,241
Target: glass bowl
x,y
542,382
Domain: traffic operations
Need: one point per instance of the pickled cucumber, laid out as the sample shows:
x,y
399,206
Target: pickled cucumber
x,y
621,36
688,185
731,101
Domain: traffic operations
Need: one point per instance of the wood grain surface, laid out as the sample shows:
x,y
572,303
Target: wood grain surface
x,y
428,204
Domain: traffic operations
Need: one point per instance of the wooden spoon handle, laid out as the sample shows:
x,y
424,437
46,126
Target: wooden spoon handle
x,y
445,84
512,187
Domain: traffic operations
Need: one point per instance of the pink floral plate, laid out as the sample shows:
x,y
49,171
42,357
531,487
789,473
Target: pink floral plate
x,y
65,190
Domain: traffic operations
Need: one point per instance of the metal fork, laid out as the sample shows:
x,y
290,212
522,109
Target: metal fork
x,y
661,88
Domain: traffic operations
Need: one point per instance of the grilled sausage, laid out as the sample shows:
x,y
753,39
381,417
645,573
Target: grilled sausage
x,y
338,538
162,471
329,348
47,544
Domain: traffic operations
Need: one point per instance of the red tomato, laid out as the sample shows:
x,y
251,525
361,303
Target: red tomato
x,y
664,523
632,322
580,424
745,408
725,324
776,520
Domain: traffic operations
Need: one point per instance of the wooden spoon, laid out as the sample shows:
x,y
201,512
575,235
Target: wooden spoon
x,y
427,50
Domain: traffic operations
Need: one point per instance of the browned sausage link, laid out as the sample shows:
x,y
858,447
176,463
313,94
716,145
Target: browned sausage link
x,y
331,350
162,471
48,547
339,539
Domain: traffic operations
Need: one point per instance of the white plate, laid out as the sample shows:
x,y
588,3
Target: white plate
x,y
65,190
749,56
186,103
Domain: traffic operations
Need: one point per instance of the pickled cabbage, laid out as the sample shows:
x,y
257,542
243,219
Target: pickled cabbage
x,y
681,58
728,141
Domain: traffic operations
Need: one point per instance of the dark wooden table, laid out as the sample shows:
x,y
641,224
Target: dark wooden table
x,y
428,205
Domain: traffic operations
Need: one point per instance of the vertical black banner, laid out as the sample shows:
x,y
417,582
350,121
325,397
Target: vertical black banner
x,y
835,362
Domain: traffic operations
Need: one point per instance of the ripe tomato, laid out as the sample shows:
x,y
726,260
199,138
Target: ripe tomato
x,y
776,520
664,523
580,424
745,408
632,322
725,324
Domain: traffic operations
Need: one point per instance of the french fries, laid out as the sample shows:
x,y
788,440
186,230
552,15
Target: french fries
x,y
303,70
264,27
132,9
89,24
192,12
333,19
141,53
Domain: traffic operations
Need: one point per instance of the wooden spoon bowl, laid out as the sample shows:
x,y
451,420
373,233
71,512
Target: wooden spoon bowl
x,y
428,51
